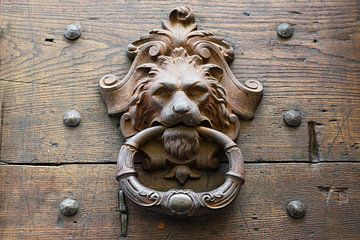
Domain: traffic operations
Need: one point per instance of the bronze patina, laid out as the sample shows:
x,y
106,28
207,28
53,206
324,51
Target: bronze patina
x,y
181,104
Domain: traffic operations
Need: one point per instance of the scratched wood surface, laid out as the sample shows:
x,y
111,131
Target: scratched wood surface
x,y
42,75
317,71
30,197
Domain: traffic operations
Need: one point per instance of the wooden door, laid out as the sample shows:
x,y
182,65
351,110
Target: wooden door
x,y
316,71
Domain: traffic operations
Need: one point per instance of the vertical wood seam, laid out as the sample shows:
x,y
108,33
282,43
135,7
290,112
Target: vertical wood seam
x,y
2,110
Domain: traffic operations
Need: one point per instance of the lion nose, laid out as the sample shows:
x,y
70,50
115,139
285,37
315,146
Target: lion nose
x,y
181,103
181,108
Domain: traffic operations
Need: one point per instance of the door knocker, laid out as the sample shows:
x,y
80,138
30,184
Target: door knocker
x,y
181,104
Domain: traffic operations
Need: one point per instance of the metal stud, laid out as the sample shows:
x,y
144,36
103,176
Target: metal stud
x,y
296,209
292,118
285,30
73,31
69,207
72,118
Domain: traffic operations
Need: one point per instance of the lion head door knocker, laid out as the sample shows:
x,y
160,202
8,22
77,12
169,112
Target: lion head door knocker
x,y
180,104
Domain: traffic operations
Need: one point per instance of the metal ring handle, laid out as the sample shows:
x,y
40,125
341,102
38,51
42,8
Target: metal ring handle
x,y
180,202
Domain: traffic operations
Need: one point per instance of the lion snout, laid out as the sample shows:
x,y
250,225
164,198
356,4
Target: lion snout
x,y
181,108
181,104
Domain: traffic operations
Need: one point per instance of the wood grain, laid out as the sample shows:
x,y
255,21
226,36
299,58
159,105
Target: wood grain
x,y
42,75
317,71
30,197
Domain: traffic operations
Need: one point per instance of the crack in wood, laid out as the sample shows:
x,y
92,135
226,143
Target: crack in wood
x,y
2,108
314,151
4,163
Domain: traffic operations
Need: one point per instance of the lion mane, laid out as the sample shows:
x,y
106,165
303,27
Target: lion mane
x,y
141,110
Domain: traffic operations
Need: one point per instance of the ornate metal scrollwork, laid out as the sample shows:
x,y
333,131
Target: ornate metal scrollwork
x,y
180,104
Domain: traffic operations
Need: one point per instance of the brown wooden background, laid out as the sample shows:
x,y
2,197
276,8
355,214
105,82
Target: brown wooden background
x,y
317,72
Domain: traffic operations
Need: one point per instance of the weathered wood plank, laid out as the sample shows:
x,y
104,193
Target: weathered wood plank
x,y
38,134
32,57
316,71
34,133
30,196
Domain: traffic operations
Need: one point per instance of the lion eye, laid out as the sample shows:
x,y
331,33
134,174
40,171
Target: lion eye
x,y
196,91
163,92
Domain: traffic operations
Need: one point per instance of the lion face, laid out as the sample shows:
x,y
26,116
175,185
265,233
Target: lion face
x,y
180,91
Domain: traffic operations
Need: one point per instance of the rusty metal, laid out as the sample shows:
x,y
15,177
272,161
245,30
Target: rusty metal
x,y
296,209
72,31
285,30
69,207
181,104
292,118
184,202
123,213
72,118
109,79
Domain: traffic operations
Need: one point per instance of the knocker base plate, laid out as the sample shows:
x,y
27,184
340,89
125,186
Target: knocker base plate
x,y
181,105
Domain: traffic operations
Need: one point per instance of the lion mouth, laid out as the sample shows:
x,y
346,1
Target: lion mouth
x,y
205,123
